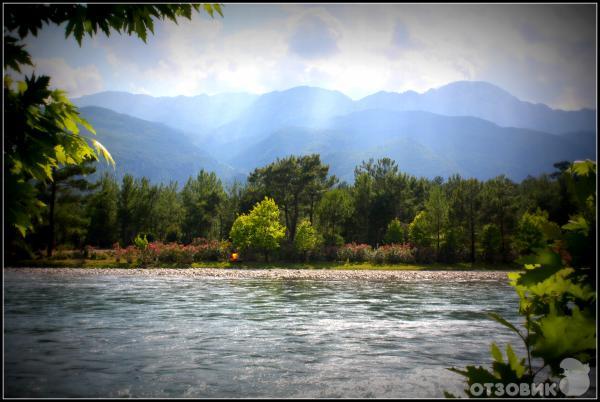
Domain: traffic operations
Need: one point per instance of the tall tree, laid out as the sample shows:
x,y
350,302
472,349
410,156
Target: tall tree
x,y
437,213
260,229
64,196
41,126
168,213
334,209
125,210
102,211
201,198
500,204
465,202
296,184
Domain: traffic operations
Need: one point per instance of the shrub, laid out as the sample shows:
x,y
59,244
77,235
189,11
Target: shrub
x,y
130,253
399,253
394,254
141,242
207,250
330,253
425,255
354,252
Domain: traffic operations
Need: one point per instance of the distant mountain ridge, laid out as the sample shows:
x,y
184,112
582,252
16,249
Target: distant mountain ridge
x,y
452,129
202,113
488,102
193,115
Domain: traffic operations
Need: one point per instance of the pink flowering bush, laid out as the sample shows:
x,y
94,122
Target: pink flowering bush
x,y
130,253
394,254
354,252
210,250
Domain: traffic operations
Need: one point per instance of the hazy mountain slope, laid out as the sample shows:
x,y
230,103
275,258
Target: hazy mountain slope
x,y
440,132
486,101
424,144
154,150
195,115
300,106
585,139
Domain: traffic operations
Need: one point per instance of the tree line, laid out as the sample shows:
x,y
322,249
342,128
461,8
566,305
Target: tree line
x,y
448,220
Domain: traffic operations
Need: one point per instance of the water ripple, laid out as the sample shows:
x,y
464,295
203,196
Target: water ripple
x,y
185,337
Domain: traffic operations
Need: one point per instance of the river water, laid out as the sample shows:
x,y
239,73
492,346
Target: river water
x,y
116,336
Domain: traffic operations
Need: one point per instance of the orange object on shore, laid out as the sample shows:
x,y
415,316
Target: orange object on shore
x,y
234,257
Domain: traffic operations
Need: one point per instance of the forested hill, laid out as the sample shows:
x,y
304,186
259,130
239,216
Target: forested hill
x,y
153,150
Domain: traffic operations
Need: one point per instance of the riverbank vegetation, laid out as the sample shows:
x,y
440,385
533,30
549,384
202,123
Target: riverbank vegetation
x,y
557,292
293,211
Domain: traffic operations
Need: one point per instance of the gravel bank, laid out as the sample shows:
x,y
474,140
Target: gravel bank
x,y
311,274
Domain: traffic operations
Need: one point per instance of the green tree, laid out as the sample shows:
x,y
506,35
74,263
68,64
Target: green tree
x,y
125,210
41,126
419,230
260,229
542,192
381,193
396,232
437,214
531,231
334,209
464,198
296,184
65,196
557,301
102,212
307,238
231,206
201,199
490,242
500,206
168,213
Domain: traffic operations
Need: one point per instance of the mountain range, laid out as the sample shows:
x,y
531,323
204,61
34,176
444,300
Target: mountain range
x,y
472,128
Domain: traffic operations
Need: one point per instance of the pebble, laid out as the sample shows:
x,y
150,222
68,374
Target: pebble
x,y
272,273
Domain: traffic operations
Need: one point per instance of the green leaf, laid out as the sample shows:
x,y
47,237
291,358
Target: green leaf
x,y
496,354
87,126
583,168
544,257
217,7
498,318
71,125
21,87
577,224
565,335
104,152
539,274
516,365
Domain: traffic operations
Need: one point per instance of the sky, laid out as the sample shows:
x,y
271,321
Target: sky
x,y
541,53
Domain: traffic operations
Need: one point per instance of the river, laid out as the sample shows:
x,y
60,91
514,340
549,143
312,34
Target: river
x,y
132,336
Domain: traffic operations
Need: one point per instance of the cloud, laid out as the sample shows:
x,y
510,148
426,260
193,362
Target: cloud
x,y
76,81
540,53
313,38
401,36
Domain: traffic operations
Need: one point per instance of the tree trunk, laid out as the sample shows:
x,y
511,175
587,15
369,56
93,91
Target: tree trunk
x,y
437,247
502,243
51,219
472,229
266,256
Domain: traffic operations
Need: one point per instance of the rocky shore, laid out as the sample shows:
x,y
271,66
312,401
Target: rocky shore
x,y
275,273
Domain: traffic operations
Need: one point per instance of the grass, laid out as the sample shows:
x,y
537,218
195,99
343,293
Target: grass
x,y
325,265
